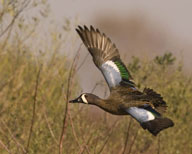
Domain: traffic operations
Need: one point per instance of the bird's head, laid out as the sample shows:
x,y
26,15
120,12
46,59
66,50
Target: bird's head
x,y
85,98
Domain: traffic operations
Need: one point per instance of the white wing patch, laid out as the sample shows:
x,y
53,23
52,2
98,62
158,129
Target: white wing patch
x,y
140,114
111,73
84,99
113,65
150,116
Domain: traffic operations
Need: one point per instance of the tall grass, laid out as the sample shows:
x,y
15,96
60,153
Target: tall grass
x,y
19,75
35,116
20,71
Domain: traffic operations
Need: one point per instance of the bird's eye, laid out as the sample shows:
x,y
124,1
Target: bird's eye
x,y
79,99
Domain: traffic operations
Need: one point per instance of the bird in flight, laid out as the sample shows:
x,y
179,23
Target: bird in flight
x,y
146,107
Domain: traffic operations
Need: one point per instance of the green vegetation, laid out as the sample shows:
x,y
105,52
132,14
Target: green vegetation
x,y
168,78
18,81
19,75
34,86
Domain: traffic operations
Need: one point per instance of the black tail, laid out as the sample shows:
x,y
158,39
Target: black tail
x,y
156,125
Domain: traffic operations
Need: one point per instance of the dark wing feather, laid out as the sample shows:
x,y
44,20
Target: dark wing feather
x,y
105,56
156,99
135,98
99,46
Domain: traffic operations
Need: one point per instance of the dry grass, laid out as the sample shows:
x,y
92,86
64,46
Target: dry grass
x,y
35,116
26,79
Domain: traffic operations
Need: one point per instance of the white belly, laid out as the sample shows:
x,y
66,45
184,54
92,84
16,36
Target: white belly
x,y
140,114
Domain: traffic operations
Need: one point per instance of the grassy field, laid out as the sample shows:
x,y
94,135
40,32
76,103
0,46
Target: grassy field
x,y
28,80
35,86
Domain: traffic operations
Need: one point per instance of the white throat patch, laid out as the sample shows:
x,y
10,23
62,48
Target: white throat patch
x,y
84,99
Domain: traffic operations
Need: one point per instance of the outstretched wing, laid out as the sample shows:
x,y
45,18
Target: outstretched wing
x,y
134,98
105,56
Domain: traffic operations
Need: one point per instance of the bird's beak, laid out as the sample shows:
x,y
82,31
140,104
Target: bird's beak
x,y
73,101
77,100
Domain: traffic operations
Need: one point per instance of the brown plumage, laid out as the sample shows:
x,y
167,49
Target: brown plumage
x,y
125,99
137,98
100,47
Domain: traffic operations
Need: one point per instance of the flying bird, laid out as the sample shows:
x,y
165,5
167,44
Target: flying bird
x,y
146,107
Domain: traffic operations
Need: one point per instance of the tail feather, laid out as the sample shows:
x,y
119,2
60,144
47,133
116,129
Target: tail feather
x,y
156,125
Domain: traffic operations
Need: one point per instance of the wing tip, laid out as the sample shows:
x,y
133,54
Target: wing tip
x,y
84,27
80,28
92,28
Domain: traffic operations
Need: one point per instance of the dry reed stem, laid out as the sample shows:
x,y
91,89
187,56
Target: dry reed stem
x,y
85,145
73,130
19,145
158,147
127,136
132,143
82,62
96,144
5,147
108,136
67,101
25,4
97,84
50,129
34,109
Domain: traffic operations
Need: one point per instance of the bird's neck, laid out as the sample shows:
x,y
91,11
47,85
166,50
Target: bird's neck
x,y
98,102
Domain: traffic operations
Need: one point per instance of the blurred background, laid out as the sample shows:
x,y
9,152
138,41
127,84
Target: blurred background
x,y
138,28
43,64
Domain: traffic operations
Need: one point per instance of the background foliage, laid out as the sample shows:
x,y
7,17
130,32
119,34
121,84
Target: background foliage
x,y
31,77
